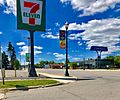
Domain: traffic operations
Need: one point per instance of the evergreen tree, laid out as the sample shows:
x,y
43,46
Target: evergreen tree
x,y
5,61
13,57
10,48
12,54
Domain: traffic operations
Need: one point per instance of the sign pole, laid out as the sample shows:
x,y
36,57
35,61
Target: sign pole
x,y
2,69
32,71
31,16
3,75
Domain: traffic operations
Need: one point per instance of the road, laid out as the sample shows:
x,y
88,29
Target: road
x,y
84,73
92,85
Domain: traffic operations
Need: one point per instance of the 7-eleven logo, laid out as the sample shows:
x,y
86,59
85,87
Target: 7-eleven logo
x,y
31,11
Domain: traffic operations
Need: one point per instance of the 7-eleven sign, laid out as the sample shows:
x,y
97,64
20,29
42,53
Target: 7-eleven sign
x,y
31,15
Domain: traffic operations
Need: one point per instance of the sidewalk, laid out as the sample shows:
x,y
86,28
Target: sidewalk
x,y
60,78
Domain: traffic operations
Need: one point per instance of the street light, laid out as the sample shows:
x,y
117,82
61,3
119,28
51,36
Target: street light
x,y
66,27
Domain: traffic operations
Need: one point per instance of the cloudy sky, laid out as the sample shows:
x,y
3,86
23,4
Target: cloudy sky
x,y
91,23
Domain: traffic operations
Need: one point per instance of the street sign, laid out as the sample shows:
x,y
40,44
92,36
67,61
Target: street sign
x,y
62,39
31,15
98,48
27,56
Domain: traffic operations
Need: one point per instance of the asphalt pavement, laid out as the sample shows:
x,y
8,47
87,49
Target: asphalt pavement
x,y
90,85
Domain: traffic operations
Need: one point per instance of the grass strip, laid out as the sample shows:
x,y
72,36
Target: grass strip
x,y
26,83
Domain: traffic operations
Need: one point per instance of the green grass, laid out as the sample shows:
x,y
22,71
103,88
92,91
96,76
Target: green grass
x,y
26,83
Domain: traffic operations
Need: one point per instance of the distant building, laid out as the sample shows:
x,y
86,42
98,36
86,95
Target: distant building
x,y
56,66
95,63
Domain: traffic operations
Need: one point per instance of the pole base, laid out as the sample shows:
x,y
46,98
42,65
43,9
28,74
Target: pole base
x,y
67,74
32,72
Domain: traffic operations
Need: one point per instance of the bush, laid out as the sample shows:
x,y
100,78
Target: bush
x,y
73,65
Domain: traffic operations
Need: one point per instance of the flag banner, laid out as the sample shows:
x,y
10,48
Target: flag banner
x,y
31,15
62,39
62,44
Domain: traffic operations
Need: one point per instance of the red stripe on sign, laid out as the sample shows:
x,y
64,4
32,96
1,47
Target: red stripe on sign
x,y
32,21
34,10
28,4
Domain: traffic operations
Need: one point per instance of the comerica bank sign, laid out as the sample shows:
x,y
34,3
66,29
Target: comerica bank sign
x,y
31,15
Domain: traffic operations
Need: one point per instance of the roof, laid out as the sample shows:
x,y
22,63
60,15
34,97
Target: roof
x,y
56,64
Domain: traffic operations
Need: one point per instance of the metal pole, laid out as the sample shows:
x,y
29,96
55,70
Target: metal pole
x,y
2,69
32,71
66,72
20,59
29,52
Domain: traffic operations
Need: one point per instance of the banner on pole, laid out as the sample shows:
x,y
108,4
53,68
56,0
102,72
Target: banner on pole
x,y
31,15
62,39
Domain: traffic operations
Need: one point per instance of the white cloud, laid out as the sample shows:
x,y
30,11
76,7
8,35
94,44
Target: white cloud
x,y
7,11
50,35
72,26
1,2
20,43
38,47
63,1
74,37
57,24
49,29
59,56
26,49
10,6
90,7
105,32
48,53
76,59
0,32
79,43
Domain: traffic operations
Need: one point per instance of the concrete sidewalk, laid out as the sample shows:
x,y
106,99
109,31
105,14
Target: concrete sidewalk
x,y
60,78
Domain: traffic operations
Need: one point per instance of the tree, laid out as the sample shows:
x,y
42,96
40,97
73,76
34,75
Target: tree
x,y
117,61
10,48
42,63
73,65
12,54
5,61
110,58
51,62
16,65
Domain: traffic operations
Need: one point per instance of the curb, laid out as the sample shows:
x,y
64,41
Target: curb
x,y
30,87
53,76
59,78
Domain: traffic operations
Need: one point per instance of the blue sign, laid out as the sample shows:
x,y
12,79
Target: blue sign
x,y
98,48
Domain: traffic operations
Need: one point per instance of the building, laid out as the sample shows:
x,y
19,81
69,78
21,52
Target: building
x,y
95,63
56,66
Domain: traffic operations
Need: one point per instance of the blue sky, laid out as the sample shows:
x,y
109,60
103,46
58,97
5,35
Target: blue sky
x,y
100,20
